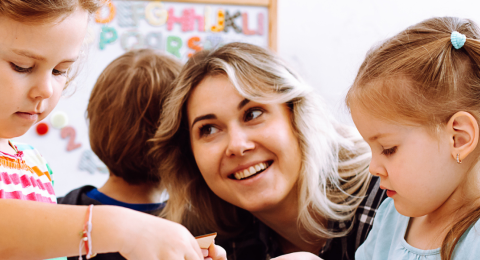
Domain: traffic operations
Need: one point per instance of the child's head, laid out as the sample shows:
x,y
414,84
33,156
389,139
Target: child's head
x,y
124,111
39,42
415,100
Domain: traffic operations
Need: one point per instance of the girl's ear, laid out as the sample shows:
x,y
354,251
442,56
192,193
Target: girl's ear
x,y
464,133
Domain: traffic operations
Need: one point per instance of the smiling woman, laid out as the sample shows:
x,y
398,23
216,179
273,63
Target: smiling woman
x,y
248,149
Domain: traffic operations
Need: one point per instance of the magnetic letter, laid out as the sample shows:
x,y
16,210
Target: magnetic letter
x,y
107,36
174,43
155,14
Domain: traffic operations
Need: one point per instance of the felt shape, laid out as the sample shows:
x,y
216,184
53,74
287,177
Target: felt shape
x,y
174,43
206,240
42,129
153,40
155,14
187,20
212,41
91,163
129,14
246,31
107,35
100,16
193,43
125,42
59,119
458,39
208,22
230,22
220,22
260,29
70,132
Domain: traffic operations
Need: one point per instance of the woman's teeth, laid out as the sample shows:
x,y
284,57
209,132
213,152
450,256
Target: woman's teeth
x,y
250,171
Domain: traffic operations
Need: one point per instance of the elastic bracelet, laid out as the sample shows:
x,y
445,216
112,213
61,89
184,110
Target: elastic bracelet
x,y
87,235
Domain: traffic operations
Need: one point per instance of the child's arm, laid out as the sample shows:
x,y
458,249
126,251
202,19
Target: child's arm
x,y
32,230
298,256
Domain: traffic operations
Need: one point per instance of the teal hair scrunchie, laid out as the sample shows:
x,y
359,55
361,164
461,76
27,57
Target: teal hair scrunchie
x,y
458,39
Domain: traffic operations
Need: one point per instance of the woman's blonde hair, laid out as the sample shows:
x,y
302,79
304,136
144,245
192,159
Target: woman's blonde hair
x,y
334,157
417,76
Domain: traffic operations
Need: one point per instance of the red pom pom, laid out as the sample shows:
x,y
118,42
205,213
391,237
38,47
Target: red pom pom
x,y
42,129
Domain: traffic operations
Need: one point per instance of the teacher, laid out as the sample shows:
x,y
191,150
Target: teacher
x,y
249,150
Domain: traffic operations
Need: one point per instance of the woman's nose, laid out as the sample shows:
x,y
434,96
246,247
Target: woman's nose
x,y
239,142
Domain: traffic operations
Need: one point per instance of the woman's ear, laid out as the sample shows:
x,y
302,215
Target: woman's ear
x,y
463,131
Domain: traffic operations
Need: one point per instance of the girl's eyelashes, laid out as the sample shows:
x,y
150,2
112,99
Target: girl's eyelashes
x,y
389,151
207,130
59,72
252,113
20,69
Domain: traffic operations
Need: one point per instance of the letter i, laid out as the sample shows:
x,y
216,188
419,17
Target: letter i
x,y
208,16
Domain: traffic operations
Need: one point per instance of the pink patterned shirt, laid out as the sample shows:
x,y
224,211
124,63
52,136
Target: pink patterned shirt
x,y
25,175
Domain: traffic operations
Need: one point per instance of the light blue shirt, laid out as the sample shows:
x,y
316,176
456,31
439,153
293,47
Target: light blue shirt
x,y
387,240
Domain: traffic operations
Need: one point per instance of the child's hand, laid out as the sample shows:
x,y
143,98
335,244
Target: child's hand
x,y
214,252
298,256
155,238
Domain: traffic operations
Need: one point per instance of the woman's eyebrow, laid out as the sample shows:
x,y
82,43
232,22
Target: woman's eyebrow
x,y
199,118
243,103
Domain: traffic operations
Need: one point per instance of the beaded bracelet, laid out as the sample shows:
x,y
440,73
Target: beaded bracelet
x,y
87,235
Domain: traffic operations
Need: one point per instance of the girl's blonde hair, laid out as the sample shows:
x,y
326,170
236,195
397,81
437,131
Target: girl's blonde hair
x,y
334,157
36,11
46,11
417,76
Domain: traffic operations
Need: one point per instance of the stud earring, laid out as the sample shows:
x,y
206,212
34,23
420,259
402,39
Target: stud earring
x,y
458,159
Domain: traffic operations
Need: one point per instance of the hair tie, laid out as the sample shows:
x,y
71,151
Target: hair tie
x,y
458,39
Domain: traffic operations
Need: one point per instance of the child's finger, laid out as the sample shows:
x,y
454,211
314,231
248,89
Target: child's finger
x,y
217,252
205,252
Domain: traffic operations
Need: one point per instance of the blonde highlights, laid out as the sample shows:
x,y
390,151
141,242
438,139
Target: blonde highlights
x,y
418,76
334,157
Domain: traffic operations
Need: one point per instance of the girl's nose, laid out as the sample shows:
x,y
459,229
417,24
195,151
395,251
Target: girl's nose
x,y
239,142
42,86
376,168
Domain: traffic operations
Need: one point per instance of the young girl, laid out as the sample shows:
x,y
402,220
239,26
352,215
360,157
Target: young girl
x,y
416,102
39,42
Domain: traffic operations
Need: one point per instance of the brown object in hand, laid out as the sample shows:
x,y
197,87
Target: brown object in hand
x,y
206,240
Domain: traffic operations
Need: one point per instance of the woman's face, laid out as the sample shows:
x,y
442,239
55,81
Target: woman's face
x,y
247,152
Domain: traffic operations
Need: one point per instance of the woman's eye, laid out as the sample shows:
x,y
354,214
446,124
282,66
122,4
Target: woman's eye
x,y
252,114
59,72
207,130
389,151
20,69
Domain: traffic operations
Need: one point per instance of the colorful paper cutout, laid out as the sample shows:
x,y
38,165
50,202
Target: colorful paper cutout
x,y
125,40
153,40
246,31
230,22
155,14
42,128
193,44
59,119
220,21
100,16
69,131
207,19
260,24
91,163
174,43
107,36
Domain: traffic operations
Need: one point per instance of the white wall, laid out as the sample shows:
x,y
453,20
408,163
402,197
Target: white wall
x,y
325,41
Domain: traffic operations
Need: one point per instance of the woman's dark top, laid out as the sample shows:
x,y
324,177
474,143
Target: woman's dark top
x,y
258,242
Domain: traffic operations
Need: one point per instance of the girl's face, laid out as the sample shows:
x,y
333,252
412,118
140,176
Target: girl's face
x,y
415,167
34,59
247,152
